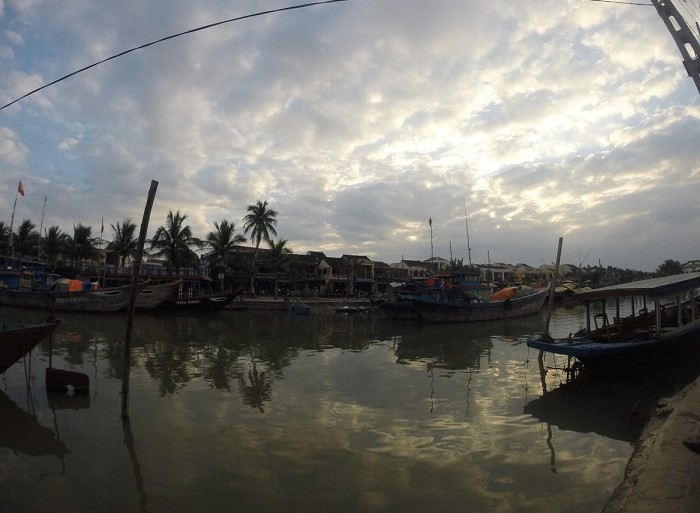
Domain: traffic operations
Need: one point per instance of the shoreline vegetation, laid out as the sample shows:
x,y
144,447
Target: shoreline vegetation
x,y
222,253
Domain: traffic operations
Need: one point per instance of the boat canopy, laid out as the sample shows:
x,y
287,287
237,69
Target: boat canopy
x,y
655,288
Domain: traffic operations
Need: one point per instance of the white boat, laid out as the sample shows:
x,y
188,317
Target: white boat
x,y
662,313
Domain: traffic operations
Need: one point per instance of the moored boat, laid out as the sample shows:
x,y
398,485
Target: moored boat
x,y
301,308
18,339
197,302
643,333
105,300
454,306
352,309
25,290
399,309
151,296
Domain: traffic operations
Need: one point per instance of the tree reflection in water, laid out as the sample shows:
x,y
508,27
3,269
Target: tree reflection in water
x,y
257,389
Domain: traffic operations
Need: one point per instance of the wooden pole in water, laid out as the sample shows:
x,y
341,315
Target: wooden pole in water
x,y
555,278
550,306
132,297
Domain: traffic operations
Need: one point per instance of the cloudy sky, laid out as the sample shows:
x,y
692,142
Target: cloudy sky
x,y
358,121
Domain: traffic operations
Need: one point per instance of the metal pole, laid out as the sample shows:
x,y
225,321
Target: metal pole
x,y
683,36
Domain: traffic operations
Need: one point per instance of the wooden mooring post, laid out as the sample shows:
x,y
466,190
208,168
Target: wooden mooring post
x,y
135,272
550,305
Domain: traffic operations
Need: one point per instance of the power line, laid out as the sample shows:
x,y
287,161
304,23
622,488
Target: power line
x,y
191,31
620,2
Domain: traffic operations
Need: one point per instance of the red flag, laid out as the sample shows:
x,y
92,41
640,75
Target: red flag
x,y
20,189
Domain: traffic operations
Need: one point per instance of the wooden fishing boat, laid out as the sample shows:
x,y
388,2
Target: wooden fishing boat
x,y
18,339
151,296
84,296
644,332
197,302
399,309
454,306
110,299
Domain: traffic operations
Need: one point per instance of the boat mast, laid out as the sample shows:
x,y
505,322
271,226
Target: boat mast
x,y
469,247
41,225
684,37
430,222
12,222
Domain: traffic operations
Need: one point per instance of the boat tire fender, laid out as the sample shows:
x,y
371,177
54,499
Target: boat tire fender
x,y
507,305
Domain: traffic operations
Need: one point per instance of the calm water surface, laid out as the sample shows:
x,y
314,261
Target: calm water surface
x,y
271,412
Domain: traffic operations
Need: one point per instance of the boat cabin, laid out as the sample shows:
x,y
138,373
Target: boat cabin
x,y
654,307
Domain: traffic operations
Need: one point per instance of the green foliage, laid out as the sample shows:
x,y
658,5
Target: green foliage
x,y
260,221
223,241
669,268
124,242
26,238
56,242
174,242
279,258
82,245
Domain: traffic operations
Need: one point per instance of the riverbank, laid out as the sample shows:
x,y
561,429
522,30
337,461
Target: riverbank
x,y
663,475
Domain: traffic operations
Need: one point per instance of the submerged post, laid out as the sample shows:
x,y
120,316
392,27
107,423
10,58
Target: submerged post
x,y
132,297
555,279
550,305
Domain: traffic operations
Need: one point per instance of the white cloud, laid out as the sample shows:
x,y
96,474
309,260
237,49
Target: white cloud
x,y
360,120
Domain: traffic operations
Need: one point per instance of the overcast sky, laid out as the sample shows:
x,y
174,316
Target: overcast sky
x,y
358,121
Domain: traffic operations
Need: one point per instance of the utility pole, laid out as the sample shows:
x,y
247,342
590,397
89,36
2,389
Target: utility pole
x,y
683,36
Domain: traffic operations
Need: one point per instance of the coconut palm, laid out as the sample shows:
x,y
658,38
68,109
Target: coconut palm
x,y
279,258
4,236
174,242
124,242
223,240
82,244
260,221
55,243
26,237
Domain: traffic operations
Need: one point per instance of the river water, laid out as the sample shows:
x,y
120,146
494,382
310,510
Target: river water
x,y
264,411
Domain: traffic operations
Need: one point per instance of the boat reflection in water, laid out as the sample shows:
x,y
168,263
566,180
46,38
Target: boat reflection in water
x,y
22,432
616,405
278,412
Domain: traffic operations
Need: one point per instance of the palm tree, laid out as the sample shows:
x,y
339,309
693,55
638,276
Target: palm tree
x,y
279,258
124,242
175,241
55,244
26,237
223,240
260,221
4,236
82,244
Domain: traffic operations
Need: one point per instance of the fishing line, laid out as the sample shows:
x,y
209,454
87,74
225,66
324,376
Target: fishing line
x,y
173,36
